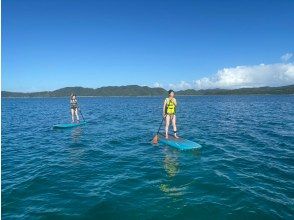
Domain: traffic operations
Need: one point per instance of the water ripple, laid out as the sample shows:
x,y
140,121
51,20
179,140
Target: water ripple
x,y
109,170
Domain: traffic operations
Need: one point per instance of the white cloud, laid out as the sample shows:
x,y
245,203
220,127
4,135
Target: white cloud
x,y
249,76
157,85
277,74
180,86
286,57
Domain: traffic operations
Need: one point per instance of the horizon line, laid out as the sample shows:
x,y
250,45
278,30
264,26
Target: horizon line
x,y
150,88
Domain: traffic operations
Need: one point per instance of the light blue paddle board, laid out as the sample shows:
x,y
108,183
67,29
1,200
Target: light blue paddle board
x,y
179,143
72,125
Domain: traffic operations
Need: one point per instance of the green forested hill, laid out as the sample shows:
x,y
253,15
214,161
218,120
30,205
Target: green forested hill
x,y
134,90
243,91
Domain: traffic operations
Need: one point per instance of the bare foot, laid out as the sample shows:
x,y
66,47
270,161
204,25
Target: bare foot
x,y
176,136
166,136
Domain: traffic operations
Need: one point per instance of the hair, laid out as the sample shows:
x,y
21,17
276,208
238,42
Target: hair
x,y
170,91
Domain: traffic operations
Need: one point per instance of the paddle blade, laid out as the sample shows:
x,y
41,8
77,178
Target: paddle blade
x,y
155,139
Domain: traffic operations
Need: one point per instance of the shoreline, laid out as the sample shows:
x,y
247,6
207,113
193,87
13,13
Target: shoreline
x,y
145,91
44,97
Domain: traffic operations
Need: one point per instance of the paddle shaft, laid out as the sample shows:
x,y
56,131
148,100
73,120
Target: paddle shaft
x,y
81,113
160,124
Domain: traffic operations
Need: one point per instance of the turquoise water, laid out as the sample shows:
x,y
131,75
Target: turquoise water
x,y
108,169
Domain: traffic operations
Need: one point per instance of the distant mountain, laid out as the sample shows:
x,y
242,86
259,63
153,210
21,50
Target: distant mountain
x,y
134,90
243,91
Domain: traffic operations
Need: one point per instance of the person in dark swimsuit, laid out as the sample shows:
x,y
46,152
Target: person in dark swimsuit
x,y
74,108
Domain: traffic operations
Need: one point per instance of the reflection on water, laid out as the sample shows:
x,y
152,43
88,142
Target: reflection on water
x,y
76,134
173,191
170,162
76,149
171,165
76,152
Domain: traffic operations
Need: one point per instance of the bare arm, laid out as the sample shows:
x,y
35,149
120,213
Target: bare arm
x,y
175,102
164,106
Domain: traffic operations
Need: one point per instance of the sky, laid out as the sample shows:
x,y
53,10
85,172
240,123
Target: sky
x,y
47,45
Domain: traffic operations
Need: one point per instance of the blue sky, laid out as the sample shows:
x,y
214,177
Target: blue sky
x,y
47,45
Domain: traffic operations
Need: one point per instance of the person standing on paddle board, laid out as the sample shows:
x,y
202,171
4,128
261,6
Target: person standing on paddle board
x,y
74,108
169,112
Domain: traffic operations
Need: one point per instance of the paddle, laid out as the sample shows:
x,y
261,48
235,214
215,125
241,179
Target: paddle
x,y
155,139
81,113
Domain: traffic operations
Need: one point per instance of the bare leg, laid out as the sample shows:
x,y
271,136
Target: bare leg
x,y
77,115
72,115
174,126
167,121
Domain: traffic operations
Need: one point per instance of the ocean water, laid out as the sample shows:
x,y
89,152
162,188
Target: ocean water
x,y
109,170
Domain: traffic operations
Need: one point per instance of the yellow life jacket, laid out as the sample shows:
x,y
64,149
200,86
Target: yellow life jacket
x,y
170,107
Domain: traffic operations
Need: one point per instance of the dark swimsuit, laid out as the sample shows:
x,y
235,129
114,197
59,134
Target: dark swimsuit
x,y
73,104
